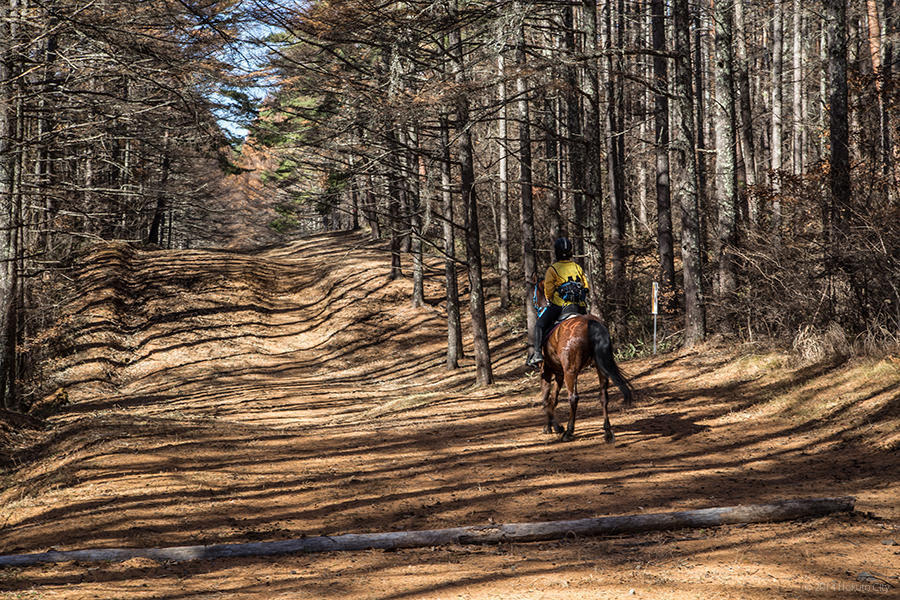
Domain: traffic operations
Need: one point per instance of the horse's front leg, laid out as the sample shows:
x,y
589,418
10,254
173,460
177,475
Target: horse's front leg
x,y
571,378
549,405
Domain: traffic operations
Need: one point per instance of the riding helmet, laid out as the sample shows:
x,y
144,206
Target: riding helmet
x,y
562,248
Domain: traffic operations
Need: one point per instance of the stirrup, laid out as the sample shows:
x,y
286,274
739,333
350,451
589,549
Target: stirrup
x,y
534,360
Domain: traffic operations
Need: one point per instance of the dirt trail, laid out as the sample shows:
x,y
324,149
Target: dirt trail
x,y
224,397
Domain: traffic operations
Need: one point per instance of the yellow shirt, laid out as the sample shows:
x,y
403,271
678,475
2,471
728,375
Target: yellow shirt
x,y
558,273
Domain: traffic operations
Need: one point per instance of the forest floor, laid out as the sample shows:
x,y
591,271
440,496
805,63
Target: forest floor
x,y
219,397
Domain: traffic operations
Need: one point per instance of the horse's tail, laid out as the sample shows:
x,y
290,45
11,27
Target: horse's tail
x,y
603,357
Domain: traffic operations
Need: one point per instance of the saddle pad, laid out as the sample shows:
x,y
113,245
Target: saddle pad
x,y
565,316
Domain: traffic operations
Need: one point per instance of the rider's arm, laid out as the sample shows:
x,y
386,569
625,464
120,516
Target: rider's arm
x,y
551,280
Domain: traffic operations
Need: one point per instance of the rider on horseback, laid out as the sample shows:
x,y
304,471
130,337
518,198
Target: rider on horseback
x,y
565,286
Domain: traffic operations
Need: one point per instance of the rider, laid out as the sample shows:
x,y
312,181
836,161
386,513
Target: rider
x,y
561,272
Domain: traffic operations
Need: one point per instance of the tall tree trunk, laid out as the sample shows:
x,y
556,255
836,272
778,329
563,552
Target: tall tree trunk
x,y
354,195
700,121
503,138
835,14
823,89
156,231
891,28
370,204
748,151
596,249
726,142
641,179
395,181
551,157
665,240
454,327
415,176
616,179
574,138
874,38
9,215
44,166
395,201
484,373
371,210
526,206
404,185
777,114
797,104
804,101
686,191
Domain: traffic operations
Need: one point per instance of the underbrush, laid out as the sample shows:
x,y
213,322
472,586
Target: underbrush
x,y
857,399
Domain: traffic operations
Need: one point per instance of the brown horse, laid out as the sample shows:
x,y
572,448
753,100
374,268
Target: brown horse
x,y
571,346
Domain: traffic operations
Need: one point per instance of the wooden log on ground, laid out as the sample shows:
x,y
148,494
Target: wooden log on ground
x,y
784,510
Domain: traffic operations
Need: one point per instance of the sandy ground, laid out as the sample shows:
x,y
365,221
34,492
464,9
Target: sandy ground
x,y
221,397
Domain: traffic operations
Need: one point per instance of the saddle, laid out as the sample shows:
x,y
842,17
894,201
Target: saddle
x,y
568,311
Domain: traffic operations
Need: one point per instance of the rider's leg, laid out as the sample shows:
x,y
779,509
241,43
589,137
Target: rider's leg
x,y
543,324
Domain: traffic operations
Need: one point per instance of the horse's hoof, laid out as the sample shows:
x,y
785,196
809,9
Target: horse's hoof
x,y
566,437
609,437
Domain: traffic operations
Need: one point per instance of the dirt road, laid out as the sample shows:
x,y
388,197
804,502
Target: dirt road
x,y
220,397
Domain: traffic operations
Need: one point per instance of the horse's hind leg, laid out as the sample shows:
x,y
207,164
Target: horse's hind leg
x,y
571,379
550,405
604,401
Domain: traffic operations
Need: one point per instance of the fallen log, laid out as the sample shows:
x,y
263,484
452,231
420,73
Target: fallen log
x,y
784,510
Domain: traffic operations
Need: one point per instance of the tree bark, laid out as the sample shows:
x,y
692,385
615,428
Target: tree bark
x,y
404,185
641,180
354,194
371,208
777,114
454,327
835,14
503,142
616,176
394,163
9,217
665,240
575,136
874,39
748,151
596,249
526,207
551,158
797,101
823,89
156,236
686,192
698,68
370,204
891,28
726,159
483,371
415,176
395,201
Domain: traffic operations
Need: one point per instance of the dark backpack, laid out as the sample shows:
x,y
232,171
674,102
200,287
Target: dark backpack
x,y
572,291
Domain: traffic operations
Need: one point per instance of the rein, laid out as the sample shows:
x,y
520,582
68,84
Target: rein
x,y
534,298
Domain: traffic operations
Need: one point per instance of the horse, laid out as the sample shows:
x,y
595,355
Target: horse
x,y
573,344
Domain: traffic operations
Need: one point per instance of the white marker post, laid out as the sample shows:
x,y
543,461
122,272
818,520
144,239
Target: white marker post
x,y
654,308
